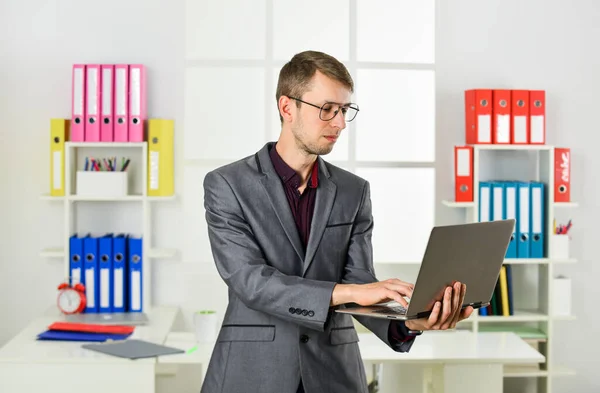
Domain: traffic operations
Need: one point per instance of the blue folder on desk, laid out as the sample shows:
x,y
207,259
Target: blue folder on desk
x,y
58,335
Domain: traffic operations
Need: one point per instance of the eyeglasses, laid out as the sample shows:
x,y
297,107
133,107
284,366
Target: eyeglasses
x,y
329,110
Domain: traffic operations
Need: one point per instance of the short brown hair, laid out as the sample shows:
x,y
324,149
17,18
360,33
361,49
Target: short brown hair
x,y
295,76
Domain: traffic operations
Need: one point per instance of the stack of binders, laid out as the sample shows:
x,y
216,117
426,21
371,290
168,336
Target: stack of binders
x,y
108,103
502,303
523,201
111,269
505,116
69,331
160,178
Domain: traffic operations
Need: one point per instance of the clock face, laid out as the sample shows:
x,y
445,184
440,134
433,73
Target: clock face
x,y
69,301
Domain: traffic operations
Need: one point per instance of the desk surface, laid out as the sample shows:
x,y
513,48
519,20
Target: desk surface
x,y
454,347
431,347
25,348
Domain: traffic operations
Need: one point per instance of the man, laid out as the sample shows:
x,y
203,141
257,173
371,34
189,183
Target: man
x,y
291,238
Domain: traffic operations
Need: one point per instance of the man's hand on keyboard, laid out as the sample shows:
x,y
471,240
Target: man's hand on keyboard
x,y
372,293
446,313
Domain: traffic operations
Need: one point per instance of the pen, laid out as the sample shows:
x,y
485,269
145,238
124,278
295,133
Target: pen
x,y
568,226
126,164
192,349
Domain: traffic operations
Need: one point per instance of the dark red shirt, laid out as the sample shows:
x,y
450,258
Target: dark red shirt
x,y
303,205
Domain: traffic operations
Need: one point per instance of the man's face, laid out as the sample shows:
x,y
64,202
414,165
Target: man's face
x,y
313,135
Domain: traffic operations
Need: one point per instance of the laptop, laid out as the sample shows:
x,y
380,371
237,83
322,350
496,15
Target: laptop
x,y
471,253
113,318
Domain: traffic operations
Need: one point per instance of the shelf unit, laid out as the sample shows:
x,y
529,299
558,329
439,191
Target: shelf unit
x,y
516,261
540,318
73,160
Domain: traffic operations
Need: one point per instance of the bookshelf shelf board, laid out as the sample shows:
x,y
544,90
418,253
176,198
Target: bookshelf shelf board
x,y
520,316
52,252
105,144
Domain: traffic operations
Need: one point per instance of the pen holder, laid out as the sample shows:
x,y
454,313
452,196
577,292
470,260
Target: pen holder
x,y
559,247
205,325
101,184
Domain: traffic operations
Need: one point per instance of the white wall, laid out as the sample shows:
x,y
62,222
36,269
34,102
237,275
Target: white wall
x,y
41,41
534,44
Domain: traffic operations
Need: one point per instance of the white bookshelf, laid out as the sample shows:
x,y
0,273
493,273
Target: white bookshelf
x,y
536,162
515,261
137,199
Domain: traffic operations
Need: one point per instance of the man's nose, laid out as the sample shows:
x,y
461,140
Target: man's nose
x,y
339,121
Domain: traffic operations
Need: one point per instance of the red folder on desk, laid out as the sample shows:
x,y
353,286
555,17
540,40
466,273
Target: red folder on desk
x,y
91,328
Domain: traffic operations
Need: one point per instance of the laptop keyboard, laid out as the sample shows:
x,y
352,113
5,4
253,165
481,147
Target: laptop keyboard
x,y
386,310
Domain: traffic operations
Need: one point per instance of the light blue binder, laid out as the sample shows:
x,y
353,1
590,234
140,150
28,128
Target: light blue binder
x,y
498,204
510,199
485,201
537,220
523,220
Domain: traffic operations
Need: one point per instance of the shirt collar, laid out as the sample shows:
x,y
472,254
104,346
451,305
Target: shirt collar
x,y
286,173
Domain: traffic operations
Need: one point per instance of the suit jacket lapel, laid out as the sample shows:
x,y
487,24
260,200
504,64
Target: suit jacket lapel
x,y
323,205
278,200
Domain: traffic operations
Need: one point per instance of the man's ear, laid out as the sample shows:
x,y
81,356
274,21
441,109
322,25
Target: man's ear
x,y
285,109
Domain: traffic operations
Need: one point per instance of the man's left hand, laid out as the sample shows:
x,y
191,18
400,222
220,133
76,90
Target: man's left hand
x,y
445,314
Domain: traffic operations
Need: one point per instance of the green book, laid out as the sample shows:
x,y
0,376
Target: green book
x,y
525,332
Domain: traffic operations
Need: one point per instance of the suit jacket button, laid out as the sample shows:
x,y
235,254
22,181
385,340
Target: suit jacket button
x,y
298,311
304,338
291,310
311,313
304,312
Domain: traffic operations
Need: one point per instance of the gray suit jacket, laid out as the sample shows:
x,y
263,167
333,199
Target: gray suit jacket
x,y
279,326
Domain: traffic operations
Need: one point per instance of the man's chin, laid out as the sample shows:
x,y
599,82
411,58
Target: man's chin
x,y
323,151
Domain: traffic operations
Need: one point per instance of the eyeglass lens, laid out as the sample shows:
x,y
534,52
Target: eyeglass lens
x,y
328,112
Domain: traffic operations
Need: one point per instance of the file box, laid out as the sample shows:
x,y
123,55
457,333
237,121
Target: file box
x,y
101,184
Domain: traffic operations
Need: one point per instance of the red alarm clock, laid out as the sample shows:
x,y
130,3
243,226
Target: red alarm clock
x,y
71,299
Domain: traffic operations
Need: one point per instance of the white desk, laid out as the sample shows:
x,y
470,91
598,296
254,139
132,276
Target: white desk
x,y
440,362
449,362
27,365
